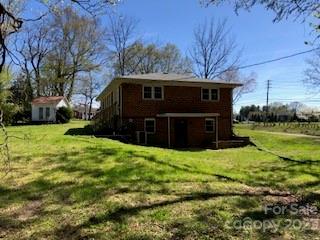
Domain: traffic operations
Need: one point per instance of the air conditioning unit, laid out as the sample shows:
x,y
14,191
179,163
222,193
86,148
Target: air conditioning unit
x,y
141,137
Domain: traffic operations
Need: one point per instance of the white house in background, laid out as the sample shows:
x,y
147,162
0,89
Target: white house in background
x,y
44,108
82,112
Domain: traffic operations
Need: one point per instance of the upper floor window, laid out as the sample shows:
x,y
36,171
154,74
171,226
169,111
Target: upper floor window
x,y
158,92
210,94
147,92
153,92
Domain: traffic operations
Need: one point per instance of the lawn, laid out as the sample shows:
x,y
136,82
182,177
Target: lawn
x,y
312,128
81,187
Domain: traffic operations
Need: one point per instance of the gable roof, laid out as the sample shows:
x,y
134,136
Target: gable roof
x,y
48,100
169,78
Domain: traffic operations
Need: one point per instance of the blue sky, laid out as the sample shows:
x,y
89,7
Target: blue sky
x,y
174,20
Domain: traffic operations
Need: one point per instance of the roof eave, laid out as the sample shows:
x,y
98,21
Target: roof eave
x,y
125,79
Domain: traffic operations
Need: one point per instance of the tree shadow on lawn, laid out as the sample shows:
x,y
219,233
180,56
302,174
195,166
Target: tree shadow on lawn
x,y
129,168
288,159
85,131
98,173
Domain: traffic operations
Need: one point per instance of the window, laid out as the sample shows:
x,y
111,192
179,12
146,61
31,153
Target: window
x,y
158,92
210,94
210,125
155,93
47,113
150,125
214,94
147,92
205,94
40,113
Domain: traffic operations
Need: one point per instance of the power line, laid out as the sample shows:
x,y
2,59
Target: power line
x,y
270,61
278,59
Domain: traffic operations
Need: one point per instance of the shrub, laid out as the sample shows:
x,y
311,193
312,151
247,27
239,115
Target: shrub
x,y
64,114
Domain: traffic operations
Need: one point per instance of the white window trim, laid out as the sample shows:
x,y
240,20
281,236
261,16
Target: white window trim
x,y
145,126
214,123
210,99
143,86
153,92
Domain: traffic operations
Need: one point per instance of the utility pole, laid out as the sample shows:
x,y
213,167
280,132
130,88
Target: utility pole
x,y
268,91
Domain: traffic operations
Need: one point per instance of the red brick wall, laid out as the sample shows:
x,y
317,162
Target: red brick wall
x,y
177,99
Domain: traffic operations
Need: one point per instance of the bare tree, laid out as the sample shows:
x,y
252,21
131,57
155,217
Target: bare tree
x,y
9,24
120,36
89,87
95,7
213,50
33,49
296,107
312,73
282,8
248,82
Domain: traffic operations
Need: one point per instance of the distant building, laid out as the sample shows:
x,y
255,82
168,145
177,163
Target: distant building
x,y
82,112
44,109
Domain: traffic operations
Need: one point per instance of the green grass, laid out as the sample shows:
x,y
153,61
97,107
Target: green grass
x,y
81,187
291,127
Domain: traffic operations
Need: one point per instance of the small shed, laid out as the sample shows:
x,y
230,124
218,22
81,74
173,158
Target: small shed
x,y
44,108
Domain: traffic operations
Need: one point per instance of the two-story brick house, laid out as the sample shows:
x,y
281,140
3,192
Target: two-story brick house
x,y
169,109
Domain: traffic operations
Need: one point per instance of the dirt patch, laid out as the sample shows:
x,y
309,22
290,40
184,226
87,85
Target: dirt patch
x,y
28,211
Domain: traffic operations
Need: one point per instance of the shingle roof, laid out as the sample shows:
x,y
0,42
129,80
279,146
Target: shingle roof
x,y
47,100
174,77
169,77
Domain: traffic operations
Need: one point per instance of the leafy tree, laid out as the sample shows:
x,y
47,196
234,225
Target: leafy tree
x,y
76,48
32,47
64,115
150,58
7,108
245,110
172,60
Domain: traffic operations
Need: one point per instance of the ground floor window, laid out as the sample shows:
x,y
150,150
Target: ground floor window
x,y
150,125
40,113
47,113
210,125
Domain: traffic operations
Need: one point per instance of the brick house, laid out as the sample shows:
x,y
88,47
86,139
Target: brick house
x,y
169,109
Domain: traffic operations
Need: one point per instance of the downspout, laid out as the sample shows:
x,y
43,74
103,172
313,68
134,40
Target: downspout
x,y
231,122
120,104
217,133
169,133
